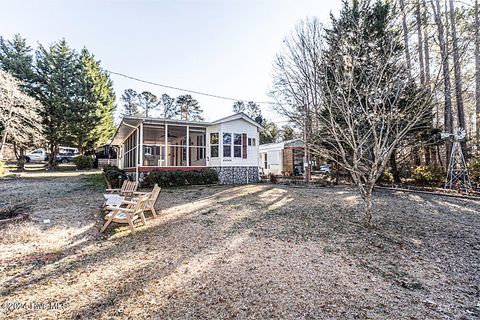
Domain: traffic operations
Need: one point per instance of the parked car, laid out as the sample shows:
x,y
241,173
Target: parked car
x,y
36,155
66,154
325,169
66,157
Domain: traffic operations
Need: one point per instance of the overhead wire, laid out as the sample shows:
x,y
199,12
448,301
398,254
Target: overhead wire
x,y
188,90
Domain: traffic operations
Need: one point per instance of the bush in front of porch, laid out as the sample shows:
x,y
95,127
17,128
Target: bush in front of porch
x,y
177,178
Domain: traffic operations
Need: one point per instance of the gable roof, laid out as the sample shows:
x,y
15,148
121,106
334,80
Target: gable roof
x,y
238,116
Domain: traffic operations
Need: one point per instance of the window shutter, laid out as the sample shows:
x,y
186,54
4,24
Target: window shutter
x,y
244,145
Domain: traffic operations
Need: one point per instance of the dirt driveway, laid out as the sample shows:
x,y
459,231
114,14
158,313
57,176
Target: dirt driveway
x,y
253,251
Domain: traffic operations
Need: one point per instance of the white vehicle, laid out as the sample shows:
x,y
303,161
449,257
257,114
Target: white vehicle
x,y
42,154
36,155
325,169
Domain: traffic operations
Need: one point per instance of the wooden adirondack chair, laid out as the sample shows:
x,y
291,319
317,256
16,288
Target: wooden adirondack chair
x,y
128,214
153,198
127,189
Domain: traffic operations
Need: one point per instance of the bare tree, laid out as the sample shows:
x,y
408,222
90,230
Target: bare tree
x,y
477,69
448,119
370,103
296,78
421,43
20,122
457,70
405,37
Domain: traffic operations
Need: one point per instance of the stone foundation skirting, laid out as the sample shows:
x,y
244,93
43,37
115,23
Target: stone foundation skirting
x,y
226,175
237,175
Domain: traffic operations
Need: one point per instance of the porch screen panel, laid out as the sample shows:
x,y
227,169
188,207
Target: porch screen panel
x,y
197,146
154,150
130,154
177,146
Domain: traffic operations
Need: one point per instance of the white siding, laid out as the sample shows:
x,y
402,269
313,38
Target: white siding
x,y
239,126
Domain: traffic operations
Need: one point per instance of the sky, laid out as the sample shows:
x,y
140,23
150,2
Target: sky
x,y
225,48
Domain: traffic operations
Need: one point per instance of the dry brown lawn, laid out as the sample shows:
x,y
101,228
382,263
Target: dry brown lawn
x,y
246,252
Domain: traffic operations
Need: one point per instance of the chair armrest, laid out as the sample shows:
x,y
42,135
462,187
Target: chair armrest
x,y
139,192
119,209
113,190
129,202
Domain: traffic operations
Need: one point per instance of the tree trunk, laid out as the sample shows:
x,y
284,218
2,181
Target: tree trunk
x,y
420,43
457,74
448,120
477,69
368,207
426,46
393,165
405,37
21,160
52,156
4,140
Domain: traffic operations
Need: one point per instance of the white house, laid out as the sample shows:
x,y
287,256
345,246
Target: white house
x,y
228,145
284,157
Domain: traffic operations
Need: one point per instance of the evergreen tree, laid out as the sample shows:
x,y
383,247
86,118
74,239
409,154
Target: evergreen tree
x,y
250,108
92,122
130,103
287,133
16,58
148,102
56,87
188,108
270,132
169,108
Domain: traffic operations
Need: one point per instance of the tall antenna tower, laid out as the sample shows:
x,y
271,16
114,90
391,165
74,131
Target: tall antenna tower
x,y
457,173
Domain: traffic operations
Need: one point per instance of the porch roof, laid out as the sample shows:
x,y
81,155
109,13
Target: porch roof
x,y
130,123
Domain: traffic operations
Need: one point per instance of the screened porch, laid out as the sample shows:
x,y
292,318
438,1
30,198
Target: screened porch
x,y
165,145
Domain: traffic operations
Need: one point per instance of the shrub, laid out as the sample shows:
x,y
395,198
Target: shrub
x,y
428,175
474,170
114,175
386,177
83,162
181,178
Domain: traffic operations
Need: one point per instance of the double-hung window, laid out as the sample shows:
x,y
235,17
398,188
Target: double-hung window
x,y
227,145
237,145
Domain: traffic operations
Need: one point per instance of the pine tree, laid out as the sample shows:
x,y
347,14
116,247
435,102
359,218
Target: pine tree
x,y
148,102
131,106
188,108
56,73
16,58
92,122
169,108
250,108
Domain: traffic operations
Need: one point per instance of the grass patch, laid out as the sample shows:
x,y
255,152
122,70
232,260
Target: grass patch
x,y
96,180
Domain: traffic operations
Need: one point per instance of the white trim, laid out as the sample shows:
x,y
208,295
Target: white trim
x,y
188,145
166,146
141,145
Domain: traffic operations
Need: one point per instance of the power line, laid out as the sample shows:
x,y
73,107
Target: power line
x,y
187,90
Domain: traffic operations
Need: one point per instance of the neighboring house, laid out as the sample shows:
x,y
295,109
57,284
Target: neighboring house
x,y
282,158
228,145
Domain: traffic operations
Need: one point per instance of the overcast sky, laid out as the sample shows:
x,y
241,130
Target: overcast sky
x,y
220,47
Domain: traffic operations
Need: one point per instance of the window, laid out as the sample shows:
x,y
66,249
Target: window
x,y
237,145
214,145
265,164
227,145
251,141
148,151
